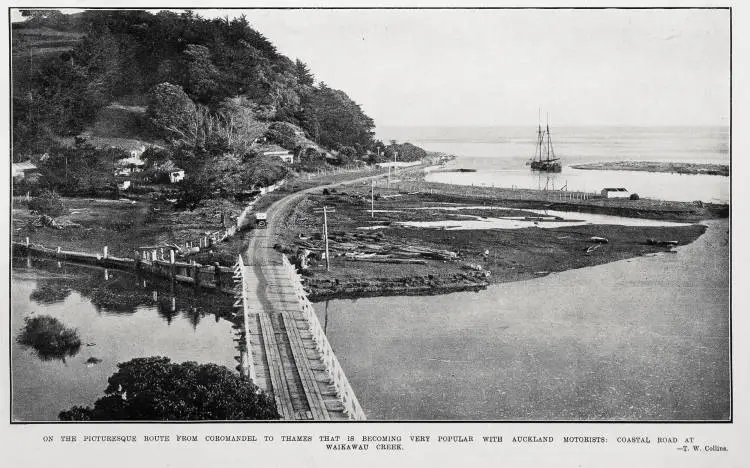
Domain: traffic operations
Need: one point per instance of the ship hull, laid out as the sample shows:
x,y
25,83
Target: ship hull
x,y
544,166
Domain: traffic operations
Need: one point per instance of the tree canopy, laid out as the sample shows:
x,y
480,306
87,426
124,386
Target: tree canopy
x,y
178,59
155,389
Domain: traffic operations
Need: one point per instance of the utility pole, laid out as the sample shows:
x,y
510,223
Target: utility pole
x,y
325,212
325,233
372,199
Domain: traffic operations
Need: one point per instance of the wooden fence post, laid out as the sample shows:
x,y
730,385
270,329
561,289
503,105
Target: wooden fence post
x,y
105,252
27,243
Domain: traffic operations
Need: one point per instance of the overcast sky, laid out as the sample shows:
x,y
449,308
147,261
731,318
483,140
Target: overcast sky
x,y
498,67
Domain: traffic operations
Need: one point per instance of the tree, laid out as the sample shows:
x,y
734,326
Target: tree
x,y
170,111
303,73
155,389
80,170
221,176
48,203
201,72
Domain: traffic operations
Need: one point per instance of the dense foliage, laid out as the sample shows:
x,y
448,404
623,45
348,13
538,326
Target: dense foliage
x,y
47,203
154,388
82,169
198,65
49,338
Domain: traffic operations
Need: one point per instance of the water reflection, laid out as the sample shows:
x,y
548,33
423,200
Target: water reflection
x,y
119,292
118,316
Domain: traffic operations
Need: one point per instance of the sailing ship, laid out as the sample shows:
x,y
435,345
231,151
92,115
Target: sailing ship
x,y
544,156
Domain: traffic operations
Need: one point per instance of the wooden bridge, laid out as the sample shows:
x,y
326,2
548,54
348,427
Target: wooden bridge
x,y
288,354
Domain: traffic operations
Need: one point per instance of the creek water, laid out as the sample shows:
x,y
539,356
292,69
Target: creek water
x,y
551,219
118,317
639,339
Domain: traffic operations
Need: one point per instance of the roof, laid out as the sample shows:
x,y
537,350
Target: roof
x,y
24,166
272,149
615,189
131,161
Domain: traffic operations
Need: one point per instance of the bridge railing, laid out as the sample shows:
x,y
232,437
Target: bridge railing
x,y
343,387
240,302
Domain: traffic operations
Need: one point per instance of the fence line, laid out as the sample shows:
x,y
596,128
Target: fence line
x,y
341,383
241,295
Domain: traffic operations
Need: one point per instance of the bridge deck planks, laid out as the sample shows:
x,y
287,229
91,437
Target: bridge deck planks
x,y
285,355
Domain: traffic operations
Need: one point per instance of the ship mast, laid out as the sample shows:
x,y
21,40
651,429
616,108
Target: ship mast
x,y
550,149
539,136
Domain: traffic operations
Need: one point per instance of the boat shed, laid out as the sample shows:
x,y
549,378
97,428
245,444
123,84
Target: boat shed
x,y
615,192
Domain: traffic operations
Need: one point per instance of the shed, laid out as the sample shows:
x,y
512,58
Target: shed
x,y
176,175
615,192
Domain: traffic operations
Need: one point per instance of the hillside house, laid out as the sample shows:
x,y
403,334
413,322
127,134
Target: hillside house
x,y
176,175
24,170
275,150
128,166
615,192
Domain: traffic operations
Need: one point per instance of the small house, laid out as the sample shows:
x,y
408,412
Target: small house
x,y
615,192
24,170
130,165
176,175
275,150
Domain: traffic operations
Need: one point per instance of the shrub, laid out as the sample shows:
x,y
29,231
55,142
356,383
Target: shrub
x,y
49,338
634,196
159,390
48,203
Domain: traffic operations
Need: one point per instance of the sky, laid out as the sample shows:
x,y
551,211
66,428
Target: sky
x,y
500,67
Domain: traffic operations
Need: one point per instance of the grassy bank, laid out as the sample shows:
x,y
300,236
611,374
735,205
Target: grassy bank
x,y
649,166
125,225
396,260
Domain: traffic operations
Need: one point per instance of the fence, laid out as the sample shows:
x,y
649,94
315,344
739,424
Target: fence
x,y
343,387
211,276
241,294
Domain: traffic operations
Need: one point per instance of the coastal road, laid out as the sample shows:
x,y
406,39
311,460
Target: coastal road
x,y
282,347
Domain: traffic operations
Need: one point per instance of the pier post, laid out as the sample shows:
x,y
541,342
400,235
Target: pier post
x,y
217,275
195,273
171,264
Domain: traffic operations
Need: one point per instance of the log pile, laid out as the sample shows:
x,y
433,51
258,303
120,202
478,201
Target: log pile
x,y
373,247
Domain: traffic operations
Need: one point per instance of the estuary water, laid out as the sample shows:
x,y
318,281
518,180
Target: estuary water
x,y
499,154
639,339
118,317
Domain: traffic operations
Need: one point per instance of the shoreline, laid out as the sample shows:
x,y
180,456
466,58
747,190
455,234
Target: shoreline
x,y
666,167
388,265
413,261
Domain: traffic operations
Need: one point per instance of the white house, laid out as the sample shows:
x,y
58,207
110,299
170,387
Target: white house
x,y
176,175
127,166
615,192
274,150
21,169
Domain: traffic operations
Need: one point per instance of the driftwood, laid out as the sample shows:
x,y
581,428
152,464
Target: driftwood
x,y
387,260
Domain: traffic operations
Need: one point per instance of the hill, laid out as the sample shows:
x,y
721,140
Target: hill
x,y
76,73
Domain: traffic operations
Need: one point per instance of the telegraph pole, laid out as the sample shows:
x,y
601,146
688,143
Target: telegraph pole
x,y
372,199
325,234
325,212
